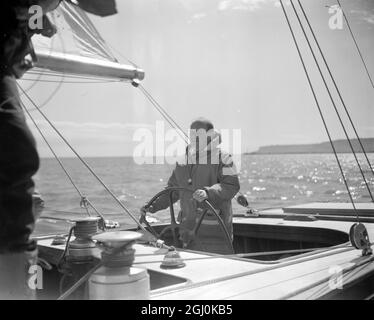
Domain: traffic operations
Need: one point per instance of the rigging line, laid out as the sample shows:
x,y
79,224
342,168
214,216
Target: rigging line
x,y
70,82
116,199
163,110
59,85
55,155
356,45
36,72
345,271
122,55
155,103
325,287
40,75
165,115
236,255
82,24
96,211
66,75
332,100
318,107
277,283
337,88
149,97
252,272
85,277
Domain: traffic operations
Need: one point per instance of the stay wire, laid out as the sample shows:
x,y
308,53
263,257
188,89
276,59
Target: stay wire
x,y
356,45
55,155
337,89
164,113
116,199
332,100
318,105
153,101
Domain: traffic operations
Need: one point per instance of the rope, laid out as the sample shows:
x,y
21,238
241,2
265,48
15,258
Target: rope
x,y
318,107
153,101
167,117
66,248
326,279
276,283
36,72
337,89
322,291
236,255
332,100
164,114
251,272
55,155
356,45
85,163
59,85
71,82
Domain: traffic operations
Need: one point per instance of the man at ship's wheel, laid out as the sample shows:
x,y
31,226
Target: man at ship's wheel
x,y
208,173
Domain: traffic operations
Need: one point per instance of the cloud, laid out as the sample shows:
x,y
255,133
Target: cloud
x,y
90,138
367,131
66,125
364,15
199,15
369,19
245,5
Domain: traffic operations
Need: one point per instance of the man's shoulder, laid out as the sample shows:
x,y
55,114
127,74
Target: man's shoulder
x,y
226,158
228,164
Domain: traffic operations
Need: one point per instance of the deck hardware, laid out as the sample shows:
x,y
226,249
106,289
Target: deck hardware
x,y
117,278
242,200
299,217
172,260
135,83
58,240
44,264
82,247
78,257
359,238
251,213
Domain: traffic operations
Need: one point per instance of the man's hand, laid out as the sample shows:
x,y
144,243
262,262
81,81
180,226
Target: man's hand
x,y
143,212
186,237
200,195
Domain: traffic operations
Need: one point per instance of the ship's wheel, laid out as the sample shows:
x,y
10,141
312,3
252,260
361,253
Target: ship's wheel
x,y
175,227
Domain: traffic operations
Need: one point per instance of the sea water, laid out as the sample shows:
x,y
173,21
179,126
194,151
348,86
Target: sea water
x,y
266,181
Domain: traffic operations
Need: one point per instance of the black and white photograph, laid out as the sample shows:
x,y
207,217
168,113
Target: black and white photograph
x,y
186,153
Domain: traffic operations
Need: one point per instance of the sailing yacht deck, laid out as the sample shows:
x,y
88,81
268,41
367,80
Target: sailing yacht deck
x,y
304,276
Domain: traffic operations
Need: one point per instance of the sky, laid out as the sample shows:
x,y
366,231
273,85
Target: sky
x,y
231,61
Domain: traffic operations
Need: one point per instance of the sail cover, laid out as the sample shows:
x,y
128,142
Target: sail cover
x,y
78,48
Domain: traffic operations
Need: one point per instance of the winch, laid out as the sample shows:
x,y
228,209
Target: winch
x,y
82,247
117,279
79,255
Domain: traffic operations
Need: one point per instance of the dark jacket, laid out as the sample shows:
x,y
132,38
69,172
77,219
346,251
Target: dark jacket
x,y
219,179
19,161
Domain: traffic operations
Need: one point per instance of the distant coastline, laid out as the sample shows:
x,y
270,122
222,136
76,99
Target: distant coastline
x,y
341,146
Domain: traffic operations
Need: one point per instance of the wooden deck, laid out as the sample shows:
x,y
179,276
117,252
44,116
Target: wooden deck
x,y
330,208
300,277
